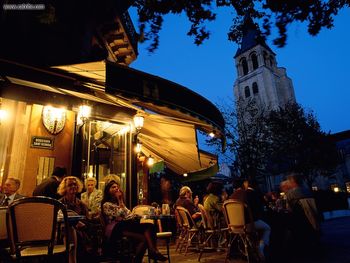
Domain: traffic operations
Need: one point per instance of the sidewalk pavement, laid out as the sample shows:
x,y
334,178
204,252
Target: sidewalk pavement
x,y
334,248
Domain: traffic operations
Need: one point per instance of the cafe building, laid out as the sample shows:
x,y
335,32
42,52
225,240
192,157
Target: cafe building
x,y
101,117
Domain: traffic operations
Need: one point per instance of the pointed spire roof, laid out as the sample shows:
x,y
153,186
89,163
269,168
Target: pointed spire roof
x,y
251,37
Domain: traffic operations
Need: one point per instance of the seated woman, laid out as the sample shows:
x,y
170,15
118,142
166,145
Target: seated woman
x,y
92,197
69,187
185,200
115,213
213,204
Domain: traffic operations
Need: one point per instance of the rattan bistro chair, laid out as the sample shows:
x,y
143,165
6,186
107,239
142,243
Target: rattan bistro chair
x,y
240,223
3,230
209,230
32,228
191,231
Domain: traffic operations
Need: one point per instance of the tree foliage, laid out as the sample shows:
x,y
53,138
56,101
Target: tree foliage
x,y
299,144
277,141
317,14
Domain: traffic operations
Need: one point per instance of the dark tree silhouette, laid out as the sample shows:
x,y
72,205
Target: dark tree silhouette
x,y
299,144
317,14
272,142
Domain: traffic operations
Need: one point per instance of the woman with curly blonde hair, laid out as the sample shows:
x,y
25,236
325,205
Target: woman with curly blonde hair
x,y
68,189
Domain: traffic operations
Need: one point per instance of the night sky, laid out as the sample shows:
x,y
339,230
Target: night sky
x,y
318,66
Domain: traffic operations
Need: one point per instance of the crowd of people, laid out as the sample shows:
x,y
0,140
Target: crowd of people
x,y
284,220
105,209
278,217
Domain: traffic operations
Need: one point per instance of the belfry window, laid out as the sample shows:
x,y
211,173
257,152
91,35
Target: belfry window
x,y
266,59
272,62
247,92
244,66
254,59
255,88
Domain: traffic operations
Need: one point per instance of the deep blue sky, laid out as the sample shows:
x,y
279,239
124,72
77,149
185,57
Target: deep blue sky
x,y
318,66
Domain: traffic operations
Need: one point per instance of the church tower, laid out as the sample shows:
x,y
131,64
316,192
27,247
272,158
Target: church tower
x,y
259,79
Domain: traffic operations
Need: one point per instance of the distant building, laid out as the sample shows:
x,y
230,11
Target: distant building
x,y
259,79
341,176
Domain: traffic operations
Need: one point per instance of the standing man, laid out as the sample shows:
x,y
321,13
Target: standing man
x,y
10,189
49,186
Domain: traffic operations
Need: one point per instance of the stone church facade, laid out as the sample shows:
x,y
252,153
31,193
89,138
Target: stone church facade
x,y
259,77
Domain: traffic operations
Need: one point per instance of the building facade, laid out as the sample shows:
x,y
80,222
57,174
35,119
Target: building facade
x,y
69,98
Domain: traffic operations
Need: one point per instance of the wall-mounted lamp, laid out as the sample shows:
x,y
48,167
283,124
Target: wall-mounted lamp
x,y
54,119
185,174
138,121
83,114
3,115
150,161
138,147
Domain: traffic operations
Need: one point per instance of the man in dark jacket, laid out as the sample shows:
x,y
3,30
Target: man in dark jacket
x,y
10,194
49,186
247,194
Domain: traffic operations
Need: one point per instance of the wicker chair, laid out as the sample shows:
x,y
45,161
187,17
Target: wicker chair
x,y
191,230
32,228
181,231
209,230
212,230
241,229
3,231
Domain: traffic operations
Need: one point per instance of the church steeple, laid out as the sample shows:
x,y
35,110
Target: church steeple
x,y
259,79
251,37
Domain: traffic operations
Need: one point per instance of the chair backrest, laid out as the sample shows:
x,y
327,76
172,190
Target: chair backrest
x,y
310,211
179,221
235,215
186,218
3,230
207,220
32,222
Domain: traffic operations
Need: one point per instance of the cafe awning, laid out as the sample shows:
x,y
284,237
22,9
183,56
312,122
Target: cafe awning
x,y
44,86
169,132
175,143
169,135
153,93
